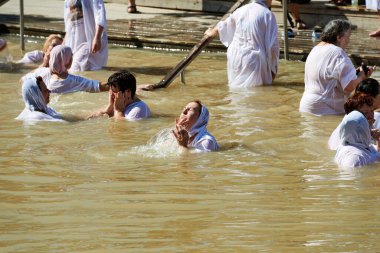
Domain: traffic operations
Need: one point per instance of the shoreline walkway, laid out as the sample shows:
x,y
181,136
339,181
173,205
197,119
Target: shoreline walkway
x,y
157,28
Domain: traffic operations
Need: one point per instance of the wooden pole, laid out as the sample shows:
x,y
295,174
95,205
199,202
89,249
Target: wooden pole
x,y
22,42
194,52
285,18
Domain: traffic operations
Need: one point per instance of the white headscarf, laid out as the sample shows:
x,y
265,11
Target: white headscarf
x,y
355,131
32,96
201,123
355,148
60,56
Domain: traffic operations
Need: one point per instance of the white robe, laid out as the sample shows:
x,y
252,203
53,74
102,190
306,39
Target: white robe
x,y
32,116
136,111
328,71
355,148
80,27
373,4
72,84
32,57
204,141
250,34
376,116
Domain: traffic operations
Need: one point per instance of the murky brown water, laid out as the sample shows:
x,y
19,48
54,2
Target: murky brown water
x,y
104,186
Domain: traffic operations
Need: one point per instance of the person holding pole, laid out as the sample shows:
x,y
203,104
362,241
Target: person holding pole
x,y
250,33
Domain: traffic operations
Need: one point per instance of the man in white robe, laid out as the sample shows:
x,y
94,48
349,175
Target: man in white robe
x,y
250,34
85,26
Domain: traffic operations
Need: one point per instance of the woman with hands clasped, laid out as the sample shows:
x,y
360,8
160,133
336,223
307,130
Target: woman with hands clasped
x,y
122,101
190,128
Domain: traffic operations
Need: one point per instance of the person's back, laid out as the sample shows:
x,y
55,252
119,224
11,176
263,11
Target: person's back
x,y
250,34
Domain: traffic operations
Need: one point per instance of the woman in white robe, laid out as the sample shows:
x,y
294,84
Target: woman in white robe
x,y
355,149
250,34
42,56
329,73
360,102
85,26
63,82
191,128
36,97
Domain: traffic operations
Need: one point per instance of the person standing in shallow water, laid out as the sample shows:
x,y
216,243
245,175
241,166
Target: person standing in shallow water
x,y
85,27
250,34
330,75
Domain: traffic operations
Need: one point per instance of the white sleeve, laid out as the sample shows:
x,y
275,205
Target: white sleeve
x,y
138,112
226,30
100,13
344,71
32,57
73,84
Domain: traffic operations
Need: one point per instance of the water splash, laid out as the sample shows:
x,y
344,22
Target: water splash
x,y
162,145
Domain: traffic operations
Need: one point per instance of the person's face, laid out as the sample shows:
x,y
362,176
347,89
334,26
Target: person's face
x,y
44,90
367,111
189,115
344,40
54,42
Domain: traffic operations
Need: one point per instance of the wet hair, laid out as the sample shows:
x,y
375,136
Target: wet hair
x,y
198,102
49,40
334,29
357,101
369,86
123,80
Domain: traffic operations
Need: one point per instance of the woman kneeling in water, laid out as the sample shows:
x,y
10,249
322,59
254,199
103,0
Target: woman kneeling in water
x,y
190,129
36,97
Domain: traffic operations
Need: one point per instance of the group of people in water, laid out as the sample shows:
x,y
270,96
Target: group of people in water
x,y
332,84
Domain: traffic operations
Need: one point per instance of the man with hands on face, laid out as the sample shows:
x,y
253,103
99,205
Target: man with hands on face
x,y
122,101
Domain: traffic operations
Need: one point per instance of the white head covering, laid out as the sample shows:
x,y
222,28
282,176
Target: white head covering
x,y
355,149
201,123
355,131
32,96
60,56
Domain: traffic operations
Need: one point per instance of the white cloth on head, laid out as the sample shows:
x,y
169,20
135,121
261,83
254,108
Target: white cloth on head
x,y
137,110
203,140
35,105
80,26
73,83
328,71
355,148
250,34
35,56
60,57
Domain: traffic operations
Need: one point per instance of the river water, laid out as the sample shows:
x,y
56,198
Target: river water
x,y
114,186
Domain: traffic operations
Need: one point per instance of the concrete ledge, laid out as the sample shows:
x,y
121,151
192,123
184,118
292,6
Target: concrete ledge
x,y
192,5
